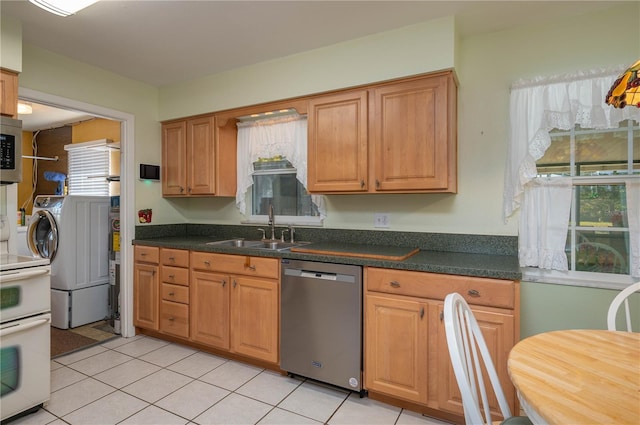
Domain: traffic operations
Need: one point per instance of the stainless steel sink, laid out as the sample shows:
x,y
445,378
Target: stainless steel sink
x,y
259,244
236,243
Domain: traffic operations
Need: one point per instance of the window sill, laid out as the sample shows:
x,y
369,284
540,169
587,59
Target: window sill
x,y
582,279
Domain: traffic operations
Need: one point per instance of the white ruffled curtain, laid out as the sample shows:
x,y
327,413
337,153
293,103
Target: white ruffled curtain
x,y
266,138
633,214
556,102
544,223
536,108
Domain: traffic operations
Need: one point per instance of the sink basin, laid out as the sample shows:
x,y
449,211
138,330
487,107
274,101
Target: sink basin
x,y
237,243
259,244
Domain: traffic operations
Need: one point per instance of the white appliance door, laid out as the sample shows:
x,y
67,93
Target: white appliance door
x,y
25,292
42,235
25,354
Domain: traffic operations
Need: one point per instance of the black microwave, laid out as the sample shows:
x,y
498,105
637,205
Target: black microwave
x,y
11,155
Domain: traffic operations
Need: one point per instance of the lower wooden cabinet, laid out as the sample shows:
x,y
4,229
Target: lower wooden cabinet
x,y
498,331
396,347
235,304
146,278
174,292
255,315
210,309
405,348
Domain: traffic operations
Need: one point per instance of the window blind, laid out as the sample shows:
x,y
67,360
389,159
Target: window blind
x,y
88,171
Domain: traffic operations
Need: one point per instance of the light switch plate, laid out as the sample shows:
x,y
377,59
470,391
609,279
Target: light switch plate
x,y
381,220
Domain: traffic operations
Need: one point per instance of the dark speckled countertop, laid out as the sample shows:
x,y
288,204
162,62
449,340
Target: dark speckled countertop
x,y
441,255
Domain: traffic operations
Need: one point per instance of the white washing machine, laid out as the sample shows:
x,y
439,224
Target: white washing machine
x,y
72,231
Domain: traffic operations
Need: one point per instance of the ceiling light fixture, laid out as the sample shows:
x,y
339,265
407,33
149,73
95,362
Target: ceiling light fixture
x,y
24,108
63,7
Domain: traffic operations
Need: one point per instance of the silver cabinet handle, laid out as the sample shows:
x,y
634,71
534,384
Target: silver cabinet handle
x,y
224,282
441,316
171,319
394,284
252,268
473,293
171,294
181,189
235,283
143,254
362,183
421,312
207,263
172,276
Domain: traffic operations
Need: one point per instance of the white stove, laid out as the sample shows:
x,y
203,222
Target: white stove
x,y
25,328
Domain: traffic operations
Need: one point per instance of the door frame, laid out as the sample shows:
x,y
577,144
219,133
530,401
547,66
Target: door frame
x,y
127,189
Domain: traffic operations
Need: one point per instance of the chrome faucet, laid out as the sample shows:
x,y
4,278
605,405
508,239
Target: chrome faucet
x,y
272,222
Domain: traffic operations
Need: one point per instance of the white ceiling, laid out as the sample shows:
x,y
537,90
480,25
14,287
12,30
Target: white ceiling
x,y
166,42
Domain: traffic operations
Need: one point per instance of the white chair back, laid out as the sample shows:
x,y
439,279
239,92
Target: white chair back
x,y
622,297
469,352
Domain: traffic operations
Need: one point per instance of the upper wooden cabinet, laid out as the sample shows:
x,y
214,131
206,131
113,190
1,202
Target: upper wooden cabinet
x,y
194,161
390,137
8,93
337,142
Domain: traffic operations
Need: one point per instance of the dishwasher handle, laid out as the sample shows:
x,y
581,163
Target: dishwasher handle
x,y
318,275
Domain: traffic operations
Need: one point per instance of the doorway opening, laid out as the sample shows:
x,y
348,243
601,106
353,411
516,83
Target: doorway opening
x,y
95,120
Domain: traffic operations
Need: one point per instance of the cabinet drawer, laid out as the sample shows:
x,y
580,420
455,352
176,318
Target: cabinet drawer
x,y
174,275
146,254
176,293
174,319
475,290
236,264
174,257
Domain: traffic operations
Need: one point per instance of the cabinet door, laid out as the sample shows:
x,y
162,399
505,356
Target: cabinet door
x,y
498,331
254,318
337,143
174,159
411,135
396,347
201,170
145,294
9,93
209,306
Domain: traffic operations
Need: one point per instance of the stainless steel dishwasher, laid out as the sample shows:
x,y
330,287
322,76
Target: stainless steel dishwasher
x,y
321,322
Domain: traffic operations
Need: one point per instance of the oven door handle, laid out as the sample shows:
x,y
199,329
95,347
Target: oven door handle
x,y
22,275
20,328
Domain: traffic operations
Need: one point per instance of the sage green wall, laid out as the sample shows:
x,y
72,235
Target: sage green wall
x,y
547,307
53,74
486,66
414,49
11,43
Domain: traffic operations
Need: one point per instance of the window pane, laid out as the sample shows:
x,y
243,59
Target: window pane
x,y
275,183
603,153
601,205
600,252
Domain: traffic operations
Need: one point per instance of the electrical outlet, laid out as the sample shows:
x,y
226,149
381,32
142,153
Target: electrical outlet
x,y
381,220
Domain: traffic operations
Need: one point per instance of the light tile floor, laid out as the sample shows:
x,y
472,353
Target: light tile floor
x,y
144,380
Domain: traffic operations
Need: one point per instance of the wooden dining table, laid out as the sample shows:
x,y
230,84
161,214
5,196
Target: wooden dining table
x,y
578,377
